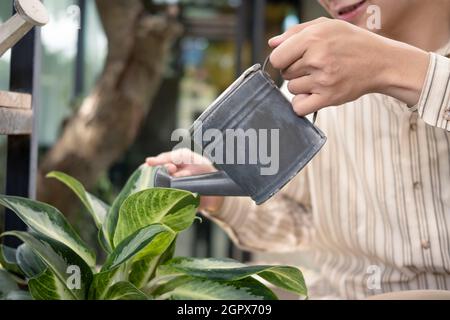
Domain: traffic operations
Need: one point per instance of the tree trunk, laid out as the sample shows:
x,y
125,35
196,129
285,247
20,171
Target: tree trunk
x,y
109,118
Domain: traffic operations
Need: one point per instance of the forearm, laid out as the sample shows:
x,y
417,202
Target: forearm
x,y
403,69
284,223
279,225
419,79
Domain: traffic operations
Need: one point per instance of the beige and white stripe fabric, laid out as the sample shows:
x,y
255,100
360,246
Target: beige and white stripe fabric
x,y
374,206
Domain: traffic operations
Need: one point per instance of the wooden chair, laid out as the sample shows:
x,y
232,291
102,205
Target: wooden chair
x,y
16,108
16,114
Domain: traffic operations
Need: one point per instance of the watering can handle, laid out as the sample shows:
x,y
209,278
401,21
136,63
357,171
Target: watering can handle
x,y
266,62
209,184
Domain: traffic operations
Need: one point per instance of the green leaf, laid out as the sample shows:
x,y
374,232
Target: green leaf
x,y
49,222
96,207
190,288
7,284
29,262
73,261
104,243
141,179
58,258
103,280
125,291
137,241
8,259
142,271
174,208
287,278
47,286
157,246
284,277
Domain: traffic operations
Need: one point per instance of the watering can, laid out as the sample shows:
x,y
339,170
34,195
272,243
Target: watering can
x,y
253,102
30,13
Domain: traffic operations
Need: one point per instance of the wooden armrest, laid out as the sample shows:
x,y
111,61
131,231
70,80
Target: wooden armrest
x,y
16,115
30,13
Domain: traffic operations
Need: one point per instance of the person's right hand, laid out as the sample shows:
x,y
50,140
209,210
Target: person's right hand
x,y
185,163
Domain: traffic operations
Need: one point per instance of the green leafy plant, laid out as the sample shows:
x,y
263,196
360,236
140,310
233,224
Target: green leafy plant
x,y
138,233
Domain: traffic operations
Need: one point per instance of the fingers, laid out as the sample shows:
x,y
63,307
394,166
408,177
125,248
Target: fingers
x,y
178,157
298,69
302,85
288,52
293,44
182,163
182,157
305,104
171,168
183,173
161,159
276,41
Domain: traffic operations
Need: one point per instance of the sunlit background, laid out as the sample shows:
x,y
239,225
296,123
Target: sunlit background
x,y
205,60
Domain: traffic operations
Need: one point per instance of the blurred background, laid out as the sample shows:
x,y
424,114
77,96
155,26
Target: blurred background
x,y
136,70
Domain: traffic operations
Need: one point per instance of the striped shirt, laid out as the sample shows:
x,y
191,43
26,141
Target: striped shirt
x,y
374,206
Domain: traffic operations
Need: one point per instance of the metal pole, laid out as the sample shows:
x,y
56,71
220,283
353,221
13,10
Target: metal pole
x,y
22,150
81,43
36,72
241,35
258,32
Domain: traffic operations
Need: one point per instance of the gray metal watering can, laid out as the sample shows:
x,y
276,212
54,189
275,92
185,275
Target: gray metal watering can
x,y
253,104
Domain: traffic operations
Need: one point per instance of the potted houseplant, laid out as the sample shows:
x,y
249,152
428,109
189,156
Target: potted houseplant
x,y
138,233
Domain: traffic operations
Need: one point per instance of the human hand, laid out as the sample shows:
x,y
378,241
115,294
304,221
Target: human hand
x,y
184,163
331,62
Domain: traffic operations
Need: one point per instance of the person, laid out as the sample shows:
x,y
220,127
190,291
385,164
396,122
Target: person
x,y
374,206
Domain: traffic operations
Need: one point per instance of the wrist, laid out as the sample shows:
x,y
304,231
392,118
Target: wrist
x,y
403,71
211,204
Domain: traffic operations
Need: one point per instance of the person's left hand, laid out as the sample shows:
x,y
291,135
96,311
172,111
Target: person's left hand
x,y
330,62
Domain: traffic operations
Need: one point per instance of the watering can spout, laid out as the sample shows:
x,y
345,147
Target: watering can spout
x,y
210,184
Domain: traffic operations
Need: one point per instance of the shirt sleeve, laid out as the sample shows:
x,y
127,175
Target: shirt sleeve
x,y
434,103
282,224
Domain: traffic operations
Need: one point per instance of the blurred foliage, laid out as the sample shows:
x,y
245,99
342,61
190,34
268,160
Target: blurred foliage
x,y
220,63
57,101
104,189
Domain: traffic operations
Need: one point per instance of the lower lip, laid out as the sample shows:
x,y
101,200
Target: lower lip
x,y
350,16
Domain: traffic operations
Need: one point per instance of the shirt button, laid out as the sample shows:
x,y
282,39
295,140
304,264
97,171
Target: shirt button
x,y
417,185
447,114
426,244
413,126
